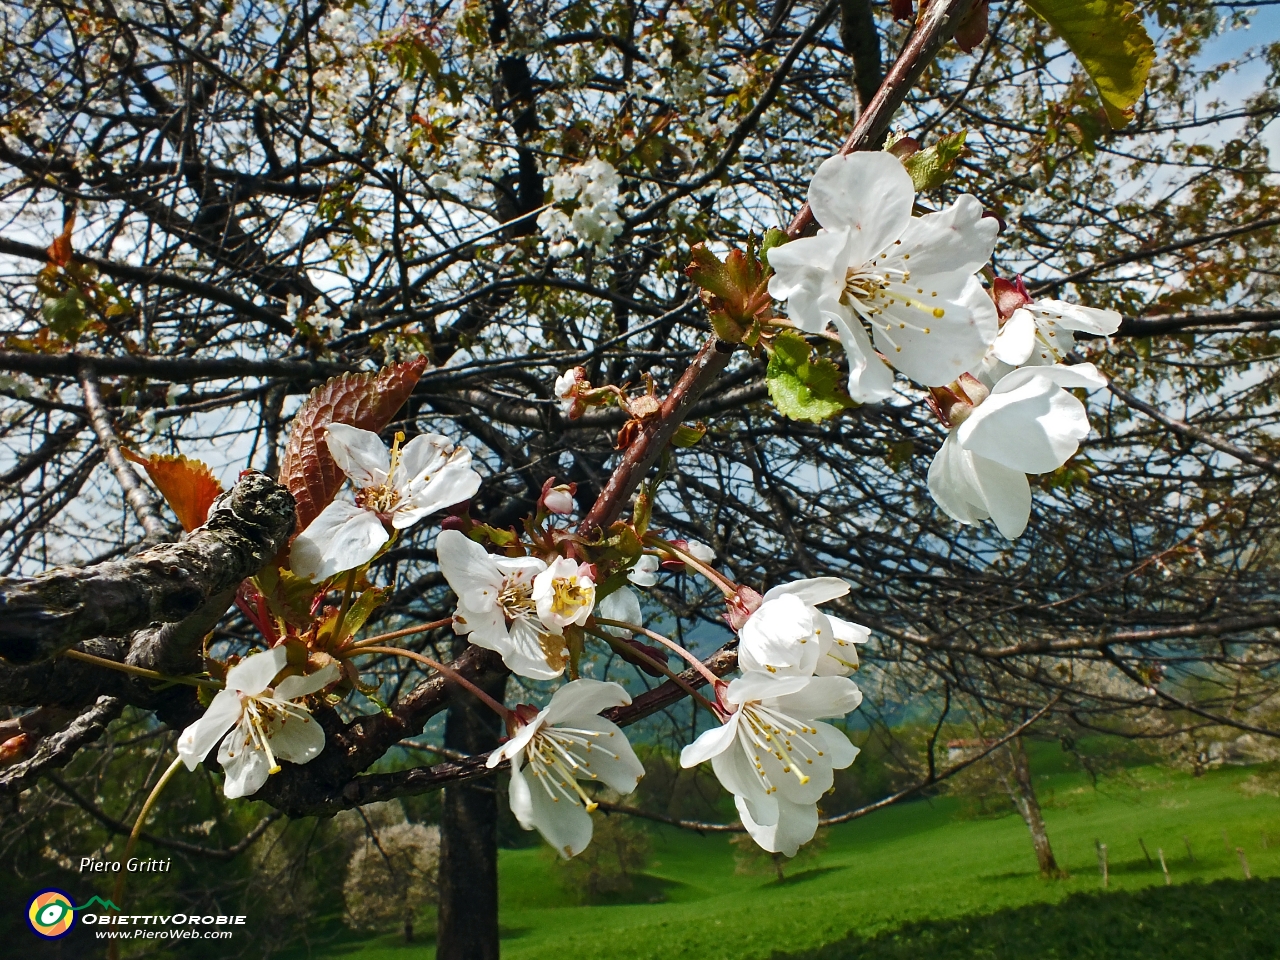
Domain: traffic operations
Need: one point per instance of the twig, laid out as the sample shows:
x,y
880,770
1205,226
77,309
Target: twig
x,y
1208,439
143,507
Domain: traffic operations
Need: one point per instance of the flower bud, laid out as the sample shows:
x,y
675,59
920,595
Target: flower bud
x,y
559,499
741,606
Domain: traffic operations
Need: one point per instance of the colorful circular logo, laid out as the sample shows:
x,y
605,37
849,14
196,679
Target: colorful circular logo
x,y
51,914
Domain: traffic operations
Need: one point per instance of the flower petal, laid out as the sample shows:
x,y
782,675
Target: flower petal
x,y
759,685
1033,428
533,651
796,824
840,752
710,743
563,823
201,737
870,193
471,571
622,604
1073,316
296,737
421,457
957,238
1017,338
360,454
341,538
518,794
870,381
934,349
1006,494
610,757
579,699
456,481
245,769
295,687
780,636
808,273
812,591
736,774
820,697
953,483
255,672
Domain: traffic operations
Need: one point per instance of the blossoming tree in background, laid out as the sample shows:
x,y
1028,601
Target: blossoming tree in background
x,y
516,296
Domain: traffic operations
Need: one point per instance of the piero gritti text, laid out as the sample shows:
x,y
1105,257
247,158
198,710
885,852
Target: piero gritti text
x,y
132,865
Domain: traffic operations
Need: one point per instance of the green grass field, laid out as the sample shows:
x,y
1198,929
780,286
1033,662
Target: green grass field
x,y
931,876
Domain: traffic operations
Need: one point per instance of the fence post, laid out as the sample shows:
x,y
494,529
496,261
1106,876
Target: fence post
x,y
1102,862
1144,852
1168,881
1187,841
1244,863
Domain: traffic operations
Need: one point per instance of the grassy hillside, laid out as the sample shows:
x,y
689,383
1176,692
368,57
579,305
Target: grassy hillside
x,y
913,863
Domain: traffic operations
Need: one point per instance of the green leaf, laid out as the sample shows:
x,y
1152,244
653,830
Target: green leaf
x,y
1109,40
803,388
687,435
932,167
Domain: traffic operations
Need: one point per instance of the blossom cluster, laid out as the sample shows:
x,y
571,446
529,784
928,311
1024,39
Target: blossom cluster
x,y
903,292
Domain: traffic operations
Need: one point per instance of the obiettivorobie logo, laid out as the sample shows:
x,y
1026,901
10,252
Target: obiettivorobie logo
x,y
51,913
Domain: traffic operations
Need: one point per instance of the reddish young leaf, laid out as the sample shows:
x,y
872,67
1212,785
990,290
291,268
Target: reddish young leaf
x,y
972,30
902,9
364,400
187,485
60,249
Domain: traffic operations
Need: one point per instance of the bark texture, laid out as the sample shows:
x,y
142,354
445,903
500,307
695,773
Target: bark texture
x,y
42,616
1021,789
468,917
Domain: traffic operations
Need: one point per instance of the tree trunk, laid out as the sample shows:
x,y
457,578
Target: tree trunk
x,y
468,916
1022,791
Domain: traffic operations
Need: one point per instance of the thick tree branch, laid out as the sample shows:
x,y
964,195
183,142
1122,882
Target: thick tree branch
x,y
42,616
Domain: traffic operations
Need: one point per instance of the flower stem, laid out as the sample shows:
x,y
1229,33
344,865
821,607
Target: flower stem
x,y
137,829
342,611
618,645
726,586
671,644
452,674
397,634
140,671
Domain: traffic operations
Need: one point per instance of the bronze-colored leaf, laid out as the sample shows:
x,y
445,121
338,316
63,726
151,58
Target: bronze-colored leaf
x,y
365,400
187,485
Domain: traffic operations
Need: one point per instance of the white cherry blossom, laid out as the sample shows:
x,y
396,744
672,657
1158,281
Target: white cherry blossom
x,y
398,487
644,573
622,604
911,279
567,742
775,755
789,636
1041,333
564,593
1028,424
258,725
496,609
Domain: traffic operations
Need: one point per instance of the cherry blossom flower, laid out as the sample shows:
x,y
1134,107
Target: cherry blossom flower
x,y
1028,424
911,279
1041,332
775,755
644,573
564,593
622,604
258,725
496,608
396,487
567,742
787,635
